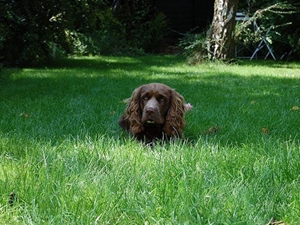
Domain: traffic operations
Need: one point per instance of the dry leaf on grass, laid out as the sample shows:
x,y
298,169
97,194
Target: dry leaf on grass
x,y
213,130
265,130
24,114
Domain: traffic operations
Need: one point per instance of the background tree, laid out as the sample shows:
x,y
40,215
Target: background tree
x,y
221,35
218,43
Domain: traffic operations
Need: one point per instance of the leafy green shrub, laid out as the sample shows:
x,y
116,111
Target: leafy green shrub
x,y
195,47
144,26
106,37
30,29
27,29
280,17
149,34
133,30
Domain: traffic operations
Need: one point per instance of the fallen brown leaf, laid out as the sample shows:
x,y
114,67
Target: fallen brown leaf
x,y
213,130
265,130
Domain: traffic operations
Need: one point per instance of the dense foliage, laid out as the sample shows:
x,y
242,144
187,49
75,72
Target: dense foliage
x,y
283,20
32,30
29,27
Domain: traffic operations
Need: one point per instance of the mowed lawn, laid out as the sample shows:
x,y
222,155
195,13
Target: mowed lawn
x,y
64,159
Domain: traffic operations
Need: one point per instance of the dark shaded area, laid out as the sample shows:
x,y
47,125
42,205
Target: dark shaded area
x,y
187,15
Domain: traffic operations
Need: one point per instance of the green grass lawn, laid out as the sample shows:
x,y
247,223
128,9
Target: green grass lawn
x,y
67,161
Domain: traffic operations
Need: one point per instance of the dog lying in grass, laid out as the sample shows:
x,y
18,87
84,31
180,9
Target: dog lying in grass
x,y
154,112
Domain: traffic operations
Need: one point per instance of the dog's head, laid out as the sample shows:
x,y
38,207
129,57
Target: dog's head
x,y
155,104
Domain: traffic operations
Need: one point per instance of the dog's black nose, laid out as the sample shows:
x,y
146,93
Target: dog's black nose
x,y
150,111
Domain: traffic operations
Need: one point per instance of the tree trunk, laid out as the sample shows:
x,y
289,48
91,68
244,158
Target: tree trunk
x,y
221,36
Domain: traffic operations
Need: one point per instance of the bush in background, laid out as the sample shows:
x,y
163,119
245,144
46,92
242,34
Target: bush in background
x,y
194,47
282,17
32,30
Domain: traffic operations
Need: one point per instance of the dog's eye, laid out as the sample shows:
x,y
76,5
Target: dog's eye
x,y
161,100
145,98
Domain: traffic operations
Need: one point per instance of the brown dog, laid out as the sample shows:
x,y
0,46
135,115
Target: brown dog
x,y
154,111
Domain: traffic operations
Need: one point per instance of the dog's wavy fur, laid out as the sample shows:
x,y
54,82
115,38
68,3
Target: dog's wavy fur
x,y
174,122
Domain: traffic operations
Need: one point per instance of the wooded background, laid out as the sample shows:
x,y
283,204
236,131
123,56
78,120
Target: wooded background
x,y
32,30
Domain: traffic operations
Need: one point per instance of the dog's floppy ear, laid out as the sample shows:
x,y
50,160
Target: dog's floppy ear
x,y
175,116
133,114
